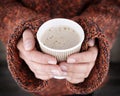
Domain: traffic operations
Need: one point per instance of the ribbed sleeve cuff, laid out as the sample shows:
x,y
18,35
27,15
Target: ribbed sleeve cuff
x,y
100,70
19,70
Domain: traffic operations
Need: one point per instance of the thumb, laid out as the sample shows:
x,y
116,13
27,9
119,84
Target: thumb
x,y
28,40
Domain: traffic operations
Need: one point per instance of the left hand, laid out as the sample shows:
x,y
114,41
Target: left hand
x,y
79,65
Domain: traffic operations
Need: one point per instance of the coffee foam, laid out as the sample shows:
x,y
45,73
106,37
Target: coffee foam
x,y
60,37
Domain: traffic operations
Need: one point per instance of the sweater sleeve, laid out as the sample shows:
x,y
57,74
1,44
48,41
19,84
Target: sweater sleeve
x,y
100,21
14,19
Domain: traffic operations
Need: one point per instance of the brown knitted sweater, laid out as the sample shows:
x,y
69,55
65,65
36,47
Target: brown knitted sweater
x,y
100,19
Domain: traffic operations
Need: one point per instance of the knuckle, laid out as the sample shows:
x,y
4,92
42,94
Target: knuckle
x,y
90,66
41,68
79,75
19,44
37,76
69,79
32,68
90,57
71,75
73,82
20,55
25,54
85,69
87,74
52,67
93,55
82,75
81,80
45,77
76,81
71,67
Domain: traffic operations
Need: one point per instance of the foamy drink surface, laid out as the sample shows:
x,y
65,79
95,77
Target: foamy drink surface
x,y
61,37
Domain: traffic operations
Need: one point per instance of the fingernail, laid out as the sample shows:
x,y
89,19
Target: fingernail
x,y
91,43
55,72
71,60
63,67
52,62
28,45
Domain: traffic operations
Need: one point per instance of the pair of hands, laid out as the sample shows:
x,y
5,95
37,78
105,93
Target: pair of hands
x,y
77,67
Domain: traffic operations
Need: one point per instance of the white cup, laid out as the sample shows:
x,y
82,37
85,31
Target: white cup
x,y
60,38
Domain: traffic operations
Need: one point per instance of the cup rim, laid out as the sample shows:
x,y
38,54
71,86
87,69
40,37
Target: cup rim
x,y
61,50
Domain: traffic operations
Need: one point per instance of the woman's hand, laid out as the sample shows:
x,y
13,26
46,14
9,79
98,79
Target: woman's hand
x,y
75,70
79,65
42,65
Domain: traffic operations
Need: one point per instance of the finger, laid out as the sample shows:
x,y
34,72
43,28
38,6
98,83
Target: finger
x,y
35,55
77,70
91,42
74,81
84,57
21,49
42,69
77,75
91,65
74,68
43,77
20,44
39,57
28,40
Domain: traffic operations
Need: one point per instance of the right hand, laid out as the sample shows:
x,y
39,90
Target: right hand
x,y
42,65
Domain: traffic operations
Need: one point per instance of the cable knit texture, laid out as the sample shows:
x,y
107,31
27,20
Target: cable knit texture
x,y
97,18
